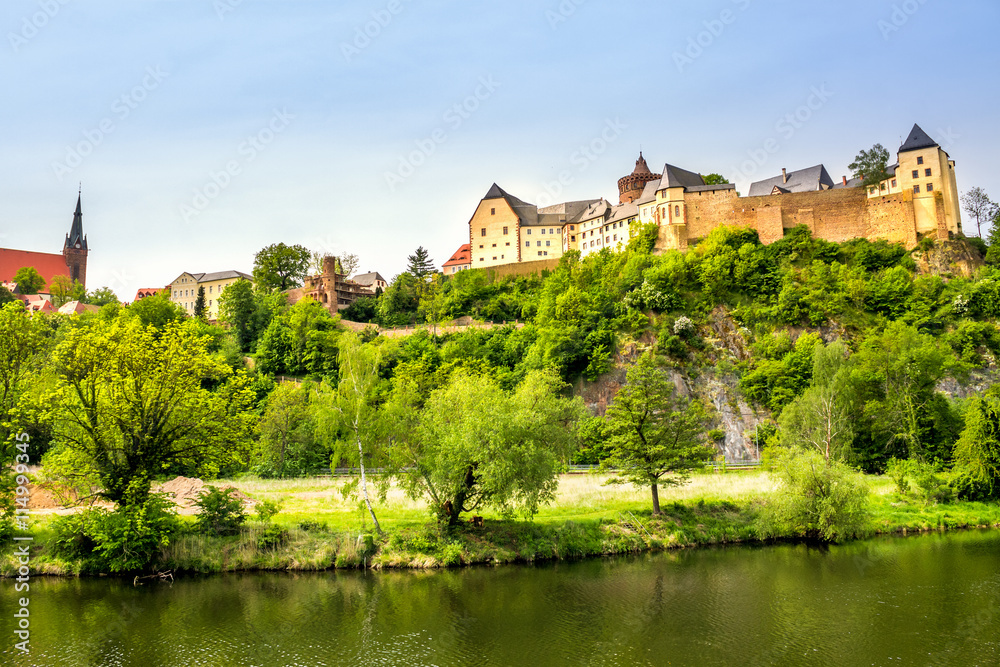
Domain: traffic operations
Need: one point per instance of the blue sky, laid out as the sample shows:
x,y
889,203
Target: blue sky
x,y
203,130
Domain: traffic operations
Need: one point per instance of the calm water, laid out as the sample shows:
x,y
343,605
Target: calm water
x,y
932,600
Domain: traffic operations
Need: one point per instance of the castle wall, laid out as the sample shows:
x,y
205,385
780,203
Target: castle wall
x,y
834,215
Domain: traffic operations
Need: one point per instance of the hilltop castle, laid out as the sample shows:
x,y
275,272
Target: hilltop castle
x,y
920,198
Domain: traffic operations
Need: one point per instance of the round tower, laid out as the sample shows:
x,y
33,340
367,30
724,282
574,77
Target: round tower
x,y
630,187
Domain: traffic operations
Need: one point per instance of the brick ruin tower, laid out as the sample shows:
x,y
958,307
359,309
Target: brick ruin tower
x,y
630,187
75,248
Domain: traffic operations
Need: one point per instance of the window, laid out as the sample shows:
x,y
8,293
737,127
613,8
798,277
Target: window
x,y
927,173
548,243
539,253
493,211
507,243
529,232
572,238
482,232
209,303
607,239
480,246
538,243
551,231
916,189
572,228
920,159
494,258
543,230
894,182
881,186
481,259
930,187
505,231
677,211
527,244
494,245
546,253
871,191
501,256
616,237
916,173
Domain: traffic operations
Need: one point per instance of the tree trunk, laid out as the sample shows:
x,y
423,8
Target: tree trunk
x,y
459,501
656,499
364,486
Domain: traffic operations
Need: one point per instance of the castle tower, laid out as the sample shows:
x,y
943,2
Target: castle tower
x,y
630,187
75,248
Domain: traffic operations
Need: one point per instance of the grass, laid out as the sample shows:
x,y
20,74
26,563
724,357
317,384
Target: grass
x,y
318,528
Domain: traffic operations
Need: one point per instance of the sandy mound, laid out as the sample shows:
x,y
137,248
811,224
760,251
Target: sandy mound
x,y
187,490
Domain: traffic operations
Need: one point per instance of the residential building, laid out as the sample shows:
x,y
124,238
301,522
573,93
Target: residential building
x,y
184,289
461,260
77,308
144,292
371,281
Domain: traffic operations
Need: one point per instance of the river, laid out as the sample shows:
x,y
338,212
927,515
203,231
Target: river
x,y
926,600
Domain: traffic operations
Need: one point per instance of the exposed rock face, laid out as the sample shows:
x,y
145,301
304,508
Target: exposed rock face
x,y
948,259
714,382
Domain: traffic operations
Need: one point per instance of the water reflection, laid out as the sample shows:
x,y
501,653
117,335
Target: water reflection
x,y
932,600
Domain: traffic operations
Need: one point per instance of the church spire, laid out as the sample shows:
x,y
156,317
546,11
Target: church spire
x,y
75,238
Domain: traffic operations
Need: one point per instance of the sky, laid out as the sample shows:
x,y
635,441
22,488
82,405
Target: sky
x,y
205,130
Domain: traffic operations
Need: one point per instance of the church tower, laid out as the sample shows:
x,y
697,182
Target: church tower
x,y
630,187
75,248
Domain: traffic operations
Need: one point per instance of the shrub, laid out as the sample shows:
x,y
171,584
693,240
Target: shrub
x,y
220,511
270,537
266,509
819,500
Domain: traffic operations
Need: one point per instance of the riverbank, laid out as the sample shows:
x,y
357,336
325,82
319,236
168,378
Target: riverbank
x,y
317,529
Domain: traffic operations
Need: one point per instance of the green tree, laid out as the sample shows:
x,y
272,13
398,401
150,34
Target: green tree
x,y
818,500
479,446
286,430
715,179
281,267
6,296
820,418
655,436
977,452
419,264
102,296
871,166
977,204
200,305
248,313
134,402
157,310
29,280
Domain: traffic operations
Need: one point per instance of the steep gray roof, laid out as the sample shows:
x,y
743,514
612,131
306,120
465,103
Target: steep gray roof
x,y
623,212
918,139
368,278
803,180
76,230
674,177
220,275
527,213
851,183
596,209
649,192
712,188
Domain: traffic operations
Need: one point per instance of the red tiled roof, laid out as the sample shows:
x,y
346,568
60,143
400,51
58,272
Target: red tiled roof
x,y
77,307
143,292
47,264
37,303
462,256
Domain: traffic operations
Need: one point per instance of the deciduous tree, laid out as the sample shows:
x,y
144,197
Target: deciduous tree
x,y
281,267
977,204
656,436
871,166
29,280
134,402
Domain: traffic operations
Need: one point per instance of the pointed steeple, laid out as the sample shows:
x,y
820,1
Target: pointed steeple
x,y
75,238
918,139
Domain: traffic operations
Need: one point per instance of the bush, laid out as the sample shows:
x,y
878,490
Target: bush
x,y
819,500
929,486
220,511
266,509
125,540
270,537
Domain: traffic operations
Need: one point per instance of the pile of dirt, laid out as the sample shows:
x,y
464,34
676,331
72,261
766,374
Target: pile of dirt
x,y
187,490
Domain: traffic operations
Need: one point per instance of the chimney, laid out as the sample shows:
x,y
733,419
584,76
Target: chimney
x,y
784,175
845,181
